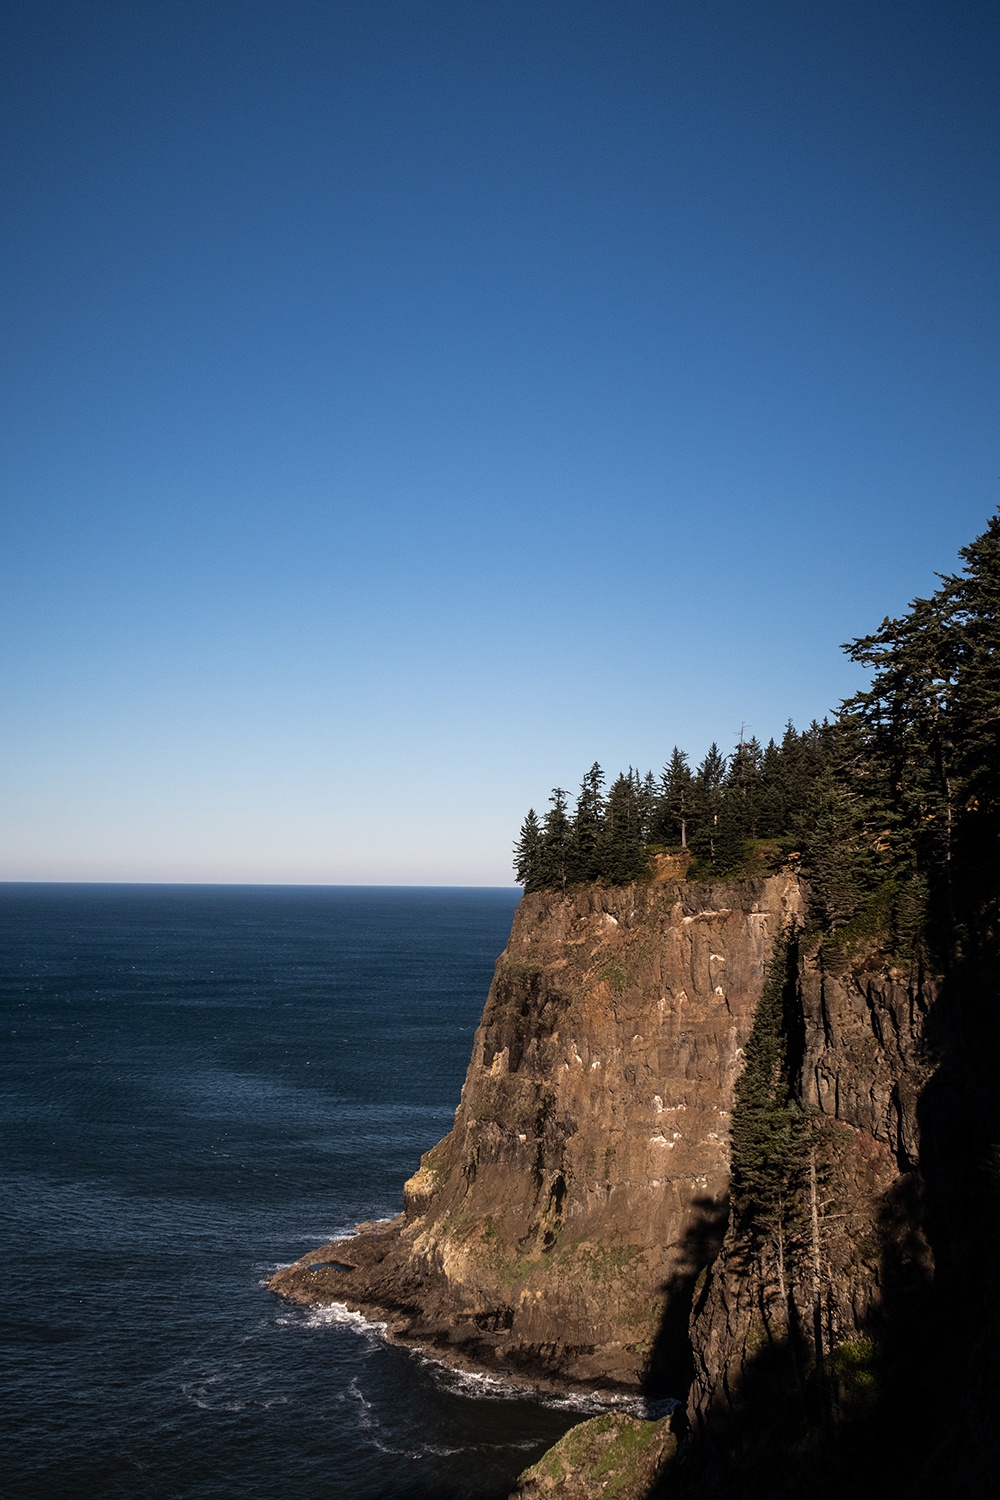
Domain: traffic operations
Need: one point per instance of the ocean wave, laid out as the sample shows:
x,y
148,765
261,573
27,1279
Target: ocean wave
x,y
482,1387
423,1450
330,1315
214,1393
478,1385
371,1426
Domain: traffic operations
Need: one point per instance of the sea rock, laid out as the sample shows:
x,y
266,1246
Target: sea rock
x,y
558,1229
611,1457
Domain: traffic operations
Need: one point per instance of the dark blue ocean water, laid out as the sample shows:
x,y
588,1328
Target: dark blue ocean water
x,y
197,1084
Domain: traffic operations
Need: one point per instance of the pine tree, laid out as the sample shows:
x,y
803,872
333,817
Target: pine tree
x,y
648,793
675,804
929,727
737,817
770,1145
845,848
772,801
906,719
802,759
556,843
528,853
707,805
622,849
974,600
588,823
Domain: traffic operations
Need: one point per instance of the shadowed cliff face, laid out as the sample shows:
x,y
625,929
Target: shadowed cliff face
x,y
765,1412
546,1231
863,1066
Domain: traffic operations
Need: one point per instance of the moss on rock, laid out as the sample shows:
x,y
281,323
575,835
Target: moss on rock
x,y
611,1457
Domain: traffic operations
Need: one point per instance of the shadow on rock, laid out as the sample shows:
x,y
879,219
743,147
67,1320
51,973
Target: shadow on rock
x,y
670,1368
906,1406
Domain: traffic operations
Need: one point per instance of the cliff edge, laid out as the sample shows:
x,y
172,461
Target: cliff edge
x,y
557,1231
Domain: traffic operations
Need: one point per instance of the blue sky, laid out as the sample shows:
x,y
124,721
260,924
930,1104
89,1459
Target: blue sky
x,y
406,404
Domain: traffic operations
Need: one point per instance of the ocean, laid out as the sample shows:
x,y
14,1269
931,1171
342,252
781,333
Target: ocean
x,y
200,1083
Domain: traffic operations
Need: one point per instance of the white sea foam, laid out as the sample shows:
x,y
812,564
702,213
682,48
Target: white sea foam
x,y
425,1450
475,1384
355,1390
333,1314
484,1387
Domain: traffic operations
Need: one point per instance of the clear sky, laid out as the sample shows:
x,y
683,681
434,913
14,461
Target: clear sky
x,y
407,402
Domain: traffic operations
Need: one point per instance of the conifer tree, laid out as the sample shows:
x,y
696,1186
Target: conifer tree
x,y
929,727
906,719
737,817
588,823
802,760
974,600
772,800
528,853
845,848
556,843
648,792
770,1146
622,850
675,806
707,805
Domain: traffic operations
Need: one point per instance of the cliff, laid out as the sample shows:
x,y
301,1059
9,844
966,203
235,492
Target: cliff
x,y
559,1229
863,1066
766,1414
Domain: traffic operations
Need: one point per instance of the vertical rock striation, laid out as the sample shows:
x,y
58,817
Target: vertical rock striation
x,y
863,1066
557,1230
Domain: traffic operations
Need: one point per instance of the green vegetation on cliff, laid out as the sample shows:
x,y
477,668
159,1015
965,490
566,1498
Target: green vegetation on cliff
x,y
848,1335
891,807
769,1130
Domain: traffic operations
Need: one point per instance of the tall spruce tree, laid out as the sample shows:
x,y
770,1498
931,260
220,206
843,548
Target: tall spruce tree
x,y
772,799
770,1146
974,609
649,793
674,810
906,719
588,827
929,729
556,844
707,805
528,853
622,850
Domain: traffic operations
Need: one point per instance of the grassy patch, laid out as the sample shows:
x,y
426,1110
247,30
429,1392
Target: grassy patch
x,y
619,1456
891,919
605,1267
616,976
855,1364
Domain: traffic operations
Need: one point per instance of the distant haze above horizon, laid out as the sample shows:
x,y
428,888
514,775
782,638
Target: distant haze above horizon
x,y
408,404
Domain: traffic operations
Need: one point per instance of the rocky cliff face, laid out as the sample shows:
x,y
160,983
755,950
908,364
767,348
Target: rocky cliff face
x,y
559,1227
765,1417
863,1066
759,1390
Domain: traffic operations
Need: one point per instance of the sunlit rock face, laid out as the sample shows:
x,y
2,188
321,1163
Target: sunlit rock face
x,y
557,1229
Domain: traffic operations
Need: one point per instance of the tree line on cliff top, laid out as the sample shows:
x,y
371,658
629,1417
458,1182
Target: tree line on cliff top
x,y
897,794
